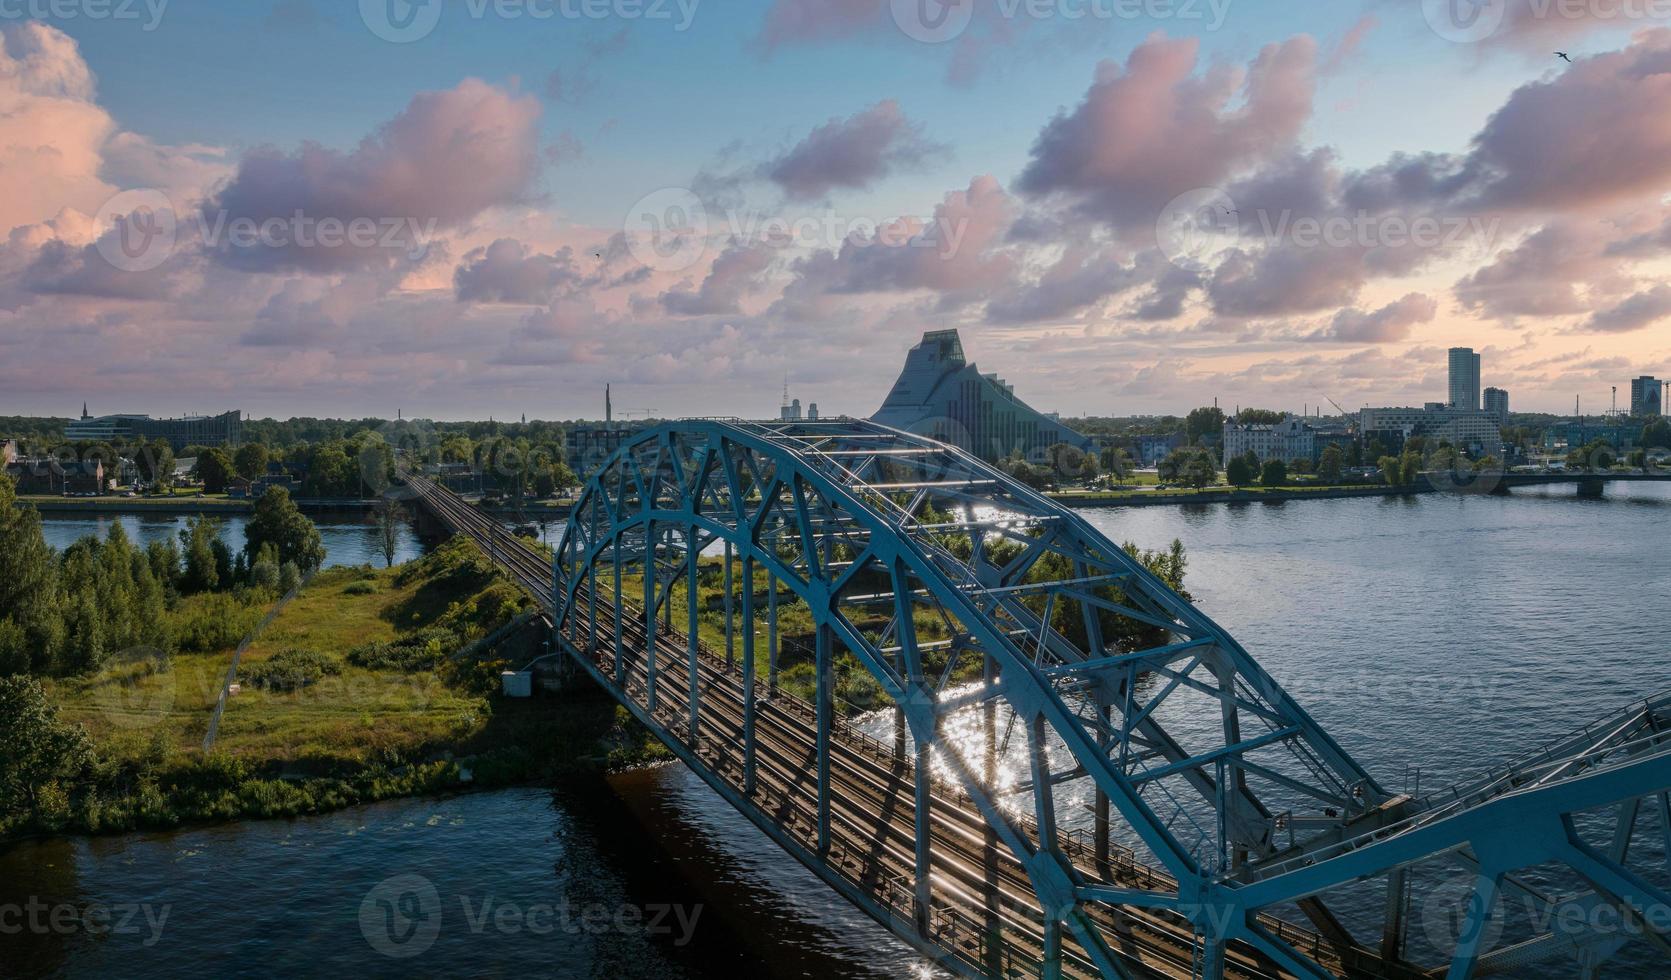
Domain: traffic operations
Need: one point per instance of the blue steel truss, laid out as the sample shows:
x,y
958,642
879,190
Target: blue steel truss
x,y
963,594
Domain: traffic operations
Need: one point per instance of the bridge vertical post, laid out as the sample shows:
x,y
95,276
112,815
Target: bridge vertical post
x,y
748,675
924,825
620,621
1100,822
730,620
1392,927
650,614
592,609
771,633
994,944
691,633
1044,802
826,695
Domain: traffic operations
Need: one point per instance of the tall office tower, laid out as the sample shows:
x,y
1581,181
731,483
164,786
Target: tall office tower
x,y
1465,379
1497,403
1646,396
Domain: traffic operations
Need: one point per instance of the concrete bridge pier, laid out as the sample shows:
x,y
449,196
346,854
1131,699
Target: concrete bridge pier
x,y
1591,488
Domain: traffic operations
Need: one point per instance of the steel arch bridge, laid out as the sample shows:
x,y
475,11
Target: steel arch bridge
x,y
1087,776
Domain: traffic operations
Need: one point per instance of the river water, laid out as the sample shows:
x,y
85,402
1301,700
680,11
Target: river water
x,y
349,538
1438,633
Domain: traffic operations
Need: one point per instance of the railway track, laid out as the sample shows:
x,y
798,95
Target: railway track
x,y
872,804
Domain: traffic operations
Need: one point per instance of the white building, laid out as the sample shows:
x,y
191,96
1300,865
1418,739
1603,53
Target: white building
x,y
1292,438
1477,432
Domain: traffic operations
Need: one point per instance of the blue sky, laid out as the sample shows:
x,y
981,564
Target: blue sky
x,y
826,110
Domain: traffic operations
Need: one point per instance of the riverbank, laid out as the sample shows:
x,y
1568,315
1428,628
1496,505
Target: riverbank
x,y
364,688
1230,495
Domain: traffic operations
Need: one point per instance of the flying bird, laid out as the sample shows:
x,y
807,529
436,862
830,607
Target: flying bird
x,y
1563,56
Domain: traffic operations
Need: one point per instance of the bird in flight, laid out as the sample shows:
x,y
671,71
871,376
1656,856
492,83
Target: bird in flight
x,y
1563,56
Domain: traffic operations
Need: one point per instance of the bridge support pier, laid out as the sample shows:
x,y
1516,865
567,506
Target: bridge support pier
x,y
1590,489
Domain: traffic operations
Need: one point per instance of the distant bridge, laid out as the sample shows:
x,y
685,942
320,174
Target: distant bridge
x,y
1087,776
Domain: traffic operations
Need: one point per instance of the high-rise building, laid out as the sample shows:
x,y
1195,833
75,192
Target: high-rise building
x,y
1646,396
941,395
1497,403
1465,379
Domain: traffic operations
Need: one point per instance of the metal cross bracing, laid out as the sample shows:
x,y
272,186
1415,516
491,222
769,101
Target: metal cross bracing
x,y
971,603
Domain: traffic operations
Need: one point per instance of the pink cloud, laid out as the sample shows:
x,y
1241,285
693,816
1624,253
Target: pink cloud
x,y
446,158
1154,129
850,153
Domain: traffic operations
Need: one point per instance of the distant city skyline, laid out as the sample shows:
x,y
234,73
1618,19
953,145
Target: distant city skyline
x,y
1127,215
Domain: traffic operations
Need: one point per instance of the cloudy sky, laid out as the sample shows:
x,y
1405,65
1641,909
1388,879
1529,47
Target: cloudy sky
x,y
473,208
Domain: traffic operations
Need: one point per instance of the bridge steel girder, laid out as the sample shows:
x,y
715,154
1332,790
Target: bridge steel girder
x,y
1114,678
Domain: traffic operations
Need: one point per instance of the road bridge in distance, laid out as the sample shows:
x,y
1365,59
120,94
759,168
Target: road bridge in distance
x,y
1087,776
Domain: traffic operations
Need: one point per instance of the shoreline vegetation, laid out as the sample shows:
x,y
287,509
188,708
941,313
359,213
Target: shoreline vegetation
x,y
354,693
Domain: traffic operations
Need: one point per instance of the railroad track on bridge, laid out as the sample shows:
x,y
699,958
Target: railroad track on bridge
x,y
981,893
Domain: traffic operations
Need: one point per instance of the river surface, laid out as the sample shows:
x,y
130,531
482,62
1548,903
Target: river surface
x,y
1439,633
349,538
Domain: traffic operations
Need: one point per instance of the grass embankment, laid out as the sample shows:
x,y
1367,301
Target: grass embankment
x,y
352,694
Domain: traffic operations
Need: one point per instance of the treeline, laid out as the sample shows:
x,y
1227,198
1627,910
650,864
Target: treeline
x,y
69,613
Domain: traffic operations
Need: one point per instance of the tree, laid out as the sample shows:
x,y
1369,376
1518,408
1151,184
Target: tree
x,y
563,478
1274,473
30,627
1237,472
1203,422
1330,463
278,522
390,518
1116,463
37,751
214,468
1191,466
1391,471
202,561
1410,468
1259,416
155,462
250,460
1657,434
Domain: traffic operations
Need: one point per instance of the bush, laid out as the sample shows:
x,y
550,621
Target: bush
x,y
214,621
423,650
292,670
362,587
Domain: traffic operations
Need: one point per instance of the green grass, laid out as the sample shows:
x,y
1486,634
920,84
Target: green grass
x,y
349,734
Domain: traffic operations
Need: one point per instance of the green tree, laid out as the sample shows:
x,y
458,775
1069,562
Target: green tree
x,y
1392,473
1191,466
155,462
250,461
1657,434
1274,473
1203,422
1330,464
30,628
202,571
214,468
391,517
38,753
1116,463
1259,416
278,522
1410,468
1237,472
563,478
